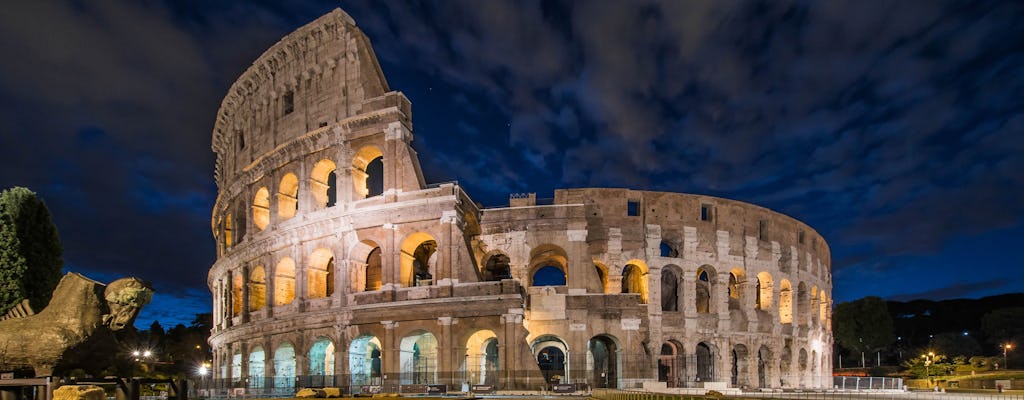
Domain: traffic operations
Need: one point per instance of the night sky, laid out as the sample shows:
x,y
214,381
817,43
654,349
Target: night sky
x,y
894,128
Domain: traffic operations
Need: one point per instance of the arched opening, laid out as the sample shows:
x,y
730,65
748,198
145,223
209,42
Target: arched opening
x,y
323,184
229,238
481,364
785,302
602,362
374,275
705,359
497,268
548,276
548,266
418,358
705,280
669,290
803,304
764,291
288,196
321,360
763,357
284,366
736,281
740,365
802,360
550,352
368,172
257,288
668,249
257,366
602,276
671,364
364,361
417,259
634,279
236,294
261,208
284,282
320,274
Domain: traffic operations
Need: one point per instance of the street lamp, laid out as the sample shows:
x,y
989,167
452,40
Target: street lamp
x,y
928,358
1006,347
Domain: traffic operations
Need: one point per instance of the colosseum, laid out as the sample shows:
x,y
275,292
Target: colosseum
x,y
338,265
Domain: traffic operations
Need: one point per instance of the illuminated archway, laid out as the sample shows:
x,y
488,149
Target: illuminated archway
x,y
321,357
284,366
257,288
704,288
550,353
323,184
284,282
417,260
481,363
764,291
257,367
418,358
602,361
236,294
785,302
496,267
634,279
364,361
544,261
366,180
320,274
288,196
261,208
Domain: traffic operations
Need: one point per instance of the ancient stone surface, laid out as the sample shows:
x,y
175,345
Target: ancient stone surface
x,y
81,310
336,258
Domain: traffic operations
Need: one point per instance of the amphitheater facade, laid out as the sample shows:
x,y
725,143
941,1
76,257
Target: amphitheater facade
x,y
338,265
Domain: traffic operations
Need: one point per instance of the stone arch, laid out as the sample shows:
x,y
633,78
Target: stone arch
x,y
802,360
324,184
785,366
228,238
320,274
261,208
418,358
496,267
364,361
602,361
236,365
321,357
602,275
366,273
668,249
785,302
545,256
236,293
284,366
634,279
550,352
671,364
284,281
705,286
481,362
705,356
764,291
365,179
257,288
737,281
417,259
740,365
240,223
764,357
670,275
257,367
803,304
288,196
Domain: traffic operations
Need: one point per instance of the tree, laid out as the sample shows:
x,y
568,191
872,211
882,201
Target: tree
x,y
30,250
863,325
1004,324
954,344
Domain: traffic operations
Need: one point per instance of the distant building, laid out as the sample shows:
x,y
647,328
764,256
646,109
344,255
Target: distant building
x,y
339,266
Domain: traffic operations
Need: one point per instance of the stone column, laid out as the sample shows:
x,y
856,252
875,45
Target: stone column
x,y
720,300
446,351
268,363
391,364
507,345
244,364
229,309
579,263
301,284
245,292
270,295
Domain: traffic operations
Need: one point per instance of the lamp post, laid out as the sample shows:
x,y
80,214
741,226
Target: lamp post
x,y
928,358
1006,348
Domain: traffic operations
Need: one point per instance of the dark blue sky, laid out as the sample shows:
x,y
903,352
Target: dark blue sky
x,y
894,128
